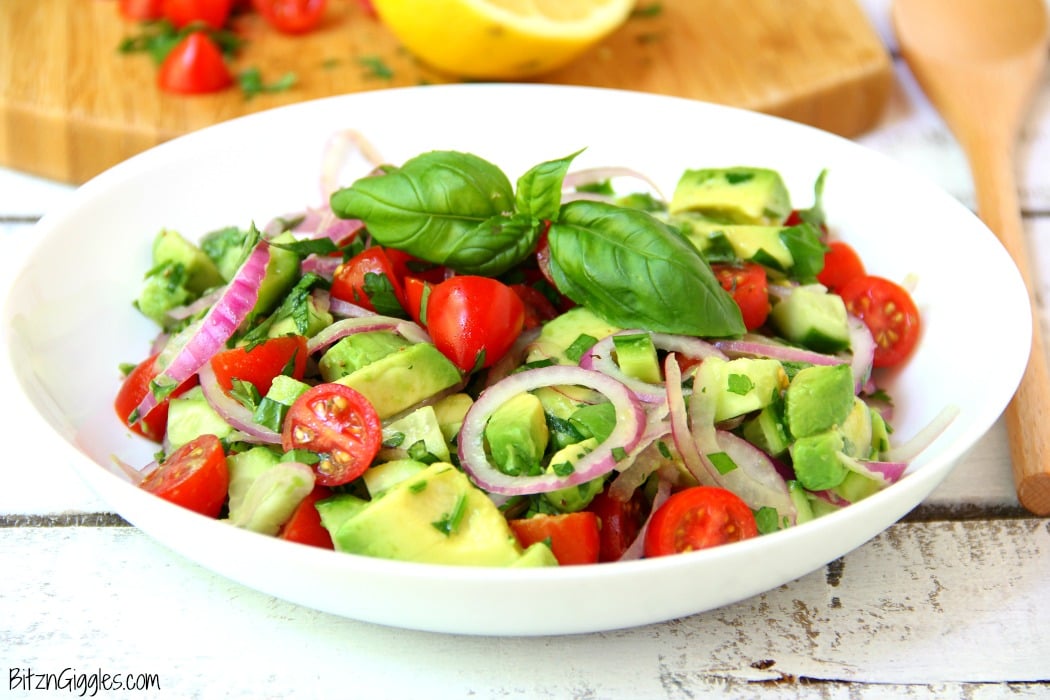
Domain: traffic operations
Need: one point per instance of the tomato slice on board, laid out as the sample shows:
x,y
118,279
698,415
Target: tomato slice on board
x,y
213,13
134,389
259,364
195,476
340,425
573,537
292,16
305,525
749,288
370,280
697,518
889,312
841,264
620,523
474,320
195,65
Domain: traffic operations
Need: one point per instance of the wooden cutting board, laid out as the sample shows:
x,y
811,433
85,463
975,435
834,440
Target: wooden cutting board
x,y
72,106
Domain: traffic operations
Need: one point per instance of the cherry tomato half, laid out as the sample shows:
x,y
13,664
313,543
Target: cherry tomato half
x,y
292,16
474,320
194,66
889,312
305,525
697,518
141,10
134,389
538,308
749,288
370,280
620,522
213,13
573,537
841,264
259,364
340,425
195,476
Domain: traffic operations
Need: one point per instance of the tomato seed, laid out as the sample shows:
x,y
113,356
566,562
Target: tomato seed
x,y
303,434
342,457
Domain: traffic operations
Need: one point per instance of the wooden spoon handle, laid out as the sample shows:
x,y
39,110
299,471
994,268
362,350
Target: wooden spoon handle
x,y
1028,414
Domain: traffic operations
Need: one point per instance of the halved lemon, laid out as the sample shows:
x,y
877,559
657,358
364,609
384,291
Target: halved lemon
x,y
501,39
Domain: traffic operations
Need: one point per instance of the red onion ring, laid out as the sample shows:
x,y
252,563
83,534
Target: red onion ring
x,y
231,410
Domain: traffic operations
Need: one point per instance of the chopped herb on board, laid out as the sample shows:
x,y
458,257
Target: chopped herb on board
x,y
375,67
252,83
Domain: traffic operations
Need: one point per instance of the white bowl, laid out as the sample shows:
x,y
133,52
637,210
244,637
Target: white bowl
x,y
76,288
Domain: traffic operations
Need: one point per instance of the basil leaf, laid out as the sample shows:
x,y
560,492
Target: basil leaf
x,y
436,207
495,245
807,251
637,272
539,190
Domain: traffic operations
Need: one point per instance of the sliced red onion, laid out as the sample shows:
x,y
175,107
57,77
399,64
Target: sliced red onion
x,y
231,410
322,266
891,472
701,469
180,313
600,357
513,358
831,498
862,352
752,345
636,550
590,176
630,423
364,324
218,325
907,451
340,146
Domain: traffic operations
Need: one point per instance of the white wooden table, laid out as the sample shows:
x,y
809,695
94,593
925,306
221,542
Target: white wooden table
x,y
954,601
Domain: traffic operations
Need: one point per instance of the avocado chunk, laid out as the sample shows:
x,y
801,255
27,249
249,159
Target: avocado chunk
x,y
813,318
575,498
857,431
435,516
758,244
201,272
538,554
402,379
636,356
737,195
450,412
818,398
388,474
273,407
163,290
566,337
358,350
316,321
417,435
517,435
816,460
742,385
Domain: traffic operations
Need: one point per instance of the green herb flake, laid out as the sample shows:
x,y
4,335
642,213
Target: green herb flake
x,y
664,450
375,67
451,522
578,347
739,384
302,456
653,9
380,292
767,520
418,486
251,83
734,178
394,440
723,462
619,454
563,468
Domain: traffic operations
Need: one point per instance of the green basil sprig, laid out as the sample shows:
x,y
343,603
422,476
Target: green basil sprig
x,y
459,210
635,271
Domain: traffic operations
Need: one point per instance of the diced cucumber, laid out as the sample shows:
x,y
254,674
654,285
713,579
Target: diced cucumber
x,y
190,416
636,356
813,318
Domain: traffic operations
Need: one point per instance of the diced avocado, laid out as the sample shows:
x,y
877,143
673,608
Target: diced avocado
x,y
517,435
282,271
800,499
245,467
336,510
856,487
201,272
564,460
556,402
190,416
537,554
435,516
636,356
880,434
758,244
273,407
741,385
163,290
450,412
816,460
225,248
767,432
358,350
813,318
402,379
818,398
574,498
316,321
388,474
595,420
419,430
857,431
739,195
560,337
272,498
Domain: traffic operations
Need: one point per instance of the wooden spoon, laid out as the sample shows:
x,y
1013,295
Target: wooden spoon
x,y
979,62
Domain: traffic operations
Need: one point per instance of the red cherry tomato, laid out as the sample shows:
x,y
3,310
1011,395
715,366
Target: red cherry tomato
x,y
141,10
890,314
697,518
748,286
538,308
360,280
417,292
213,13
259,364
620,522
340,425
841,264
474,320
305,525
292,16
134,389
195,476
573,537
194,66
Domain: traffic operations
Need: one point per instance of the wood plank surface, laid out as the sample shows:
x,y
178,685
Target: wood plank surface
x,y
71,106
